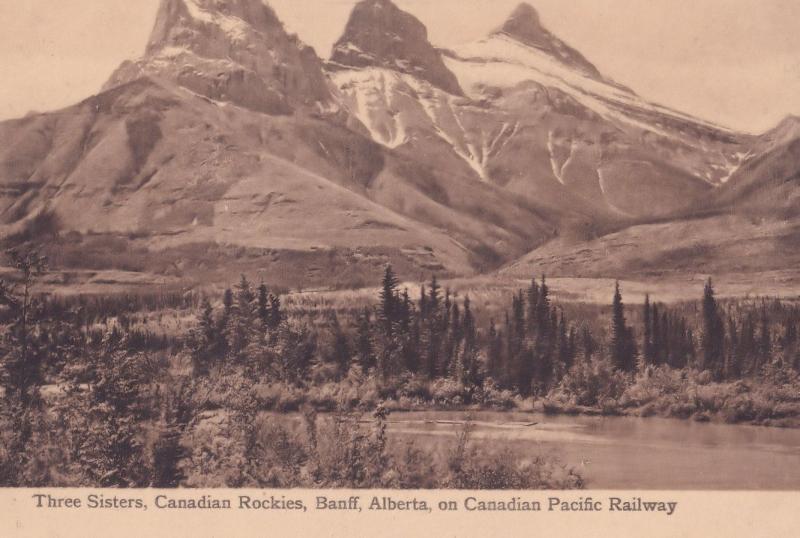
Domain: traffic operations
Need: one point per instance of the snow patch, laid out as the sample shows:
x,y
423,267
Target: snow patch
x,y
234,27
501,61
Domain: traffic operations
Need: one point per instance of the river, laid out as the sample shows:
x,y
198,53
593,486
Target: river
x,y
634,453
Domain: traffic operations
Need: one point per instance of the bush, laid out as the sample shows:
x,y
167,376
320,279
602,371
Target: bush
x,y
591,384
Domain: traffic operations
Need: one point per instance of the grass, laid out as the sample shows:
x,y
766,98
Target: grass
x,y
356,450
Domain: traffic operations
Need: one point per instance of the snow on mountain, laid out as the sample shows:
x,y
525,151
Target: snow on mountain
x,y
233,51
501,61
379,34
525,26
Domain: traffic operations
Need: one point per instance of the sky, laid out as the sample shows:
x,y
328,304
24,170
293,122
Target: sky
x,y
734,62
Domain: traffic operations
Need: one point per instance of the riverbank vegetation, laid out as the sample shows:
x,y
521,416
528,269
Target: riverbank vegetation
x,y
182,389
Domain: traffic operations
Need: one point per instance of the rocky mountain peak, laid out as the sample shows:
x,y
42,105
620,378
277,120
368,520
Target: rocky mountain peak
x,y
182,22
231,50
379,34
525,25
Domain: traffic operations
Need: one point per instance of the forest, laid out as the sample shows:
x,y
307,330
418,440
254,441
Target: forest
x,y
106,391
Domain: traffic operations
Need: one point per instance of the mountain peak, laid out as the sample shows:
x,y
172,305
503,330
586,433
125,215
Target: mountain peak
x,y
525,25
380,34
230,50
234,18
524,16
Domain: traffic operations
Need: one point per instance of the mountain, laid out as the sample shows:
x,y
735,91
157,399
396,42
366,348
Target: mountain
x,y
226,135
767,182
525,26
379,34
234,51
230,146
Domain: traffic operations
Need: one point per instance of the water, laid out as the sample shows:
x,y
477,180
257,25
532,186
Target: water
x,y
635,453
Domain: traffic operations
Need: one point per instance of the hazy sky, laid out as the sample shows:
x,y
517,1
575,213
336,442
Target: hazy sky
x,y
736,62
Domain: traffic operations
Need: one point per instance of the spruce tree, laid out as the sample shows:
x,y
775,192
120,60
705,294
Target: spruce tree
x,y
588,344
713,333
533,305
623,352
433,335
647,339
765,339
276,316
241,325
364,342
470,349
23,361
263,303
340,353
494,353
389,301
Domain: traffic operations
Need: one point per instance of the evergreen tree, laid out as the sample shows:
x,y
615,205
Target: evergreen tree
x,y
647,340
241,324
733,369
23,361
263,304
364,342
623,353
713,333
340,353
433,334
276,316
389,305
533,305
765,339
494,353
205,340
588,344
470,349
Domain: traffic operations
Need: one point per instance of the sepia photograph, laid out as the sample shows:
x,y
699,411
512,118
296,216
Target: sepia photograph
x,y
399,245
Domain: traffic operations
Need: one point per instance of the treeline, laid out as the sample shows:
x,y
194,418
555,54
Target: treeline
x,y
435,336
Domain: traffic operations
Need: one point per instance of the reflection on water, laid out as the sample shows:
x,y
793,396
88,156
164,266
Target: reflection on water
x,y
636,453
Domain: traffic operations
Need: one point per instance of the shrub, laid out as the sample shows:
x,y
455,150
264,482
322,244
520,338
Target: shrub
x,y
594,383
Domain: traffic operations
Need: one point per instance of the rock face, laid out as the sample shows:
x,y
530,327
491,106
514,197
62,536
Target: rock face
x,y
233,51
379,34
525,26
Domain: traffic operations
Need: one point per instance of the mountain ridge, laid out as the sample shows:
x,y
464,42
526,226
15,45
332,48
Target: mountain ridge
x,y
231,131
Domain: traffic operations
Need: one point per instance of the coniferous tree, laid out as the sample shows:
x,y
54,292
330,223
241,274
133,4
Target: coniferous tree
x,y
765,339
23,361
241,324
623,353
389,301
588,345
563,354
789,341
205,341
276,316
733,368
470,348
533,305
657,335
647,338
340,353
494,359
22,369
364,342
713,333
263,303
433,334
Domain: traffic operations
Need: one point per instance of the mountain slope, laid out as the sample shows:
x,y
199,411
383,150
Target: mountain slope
x,y
538,120
380,34
229,143
234,51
